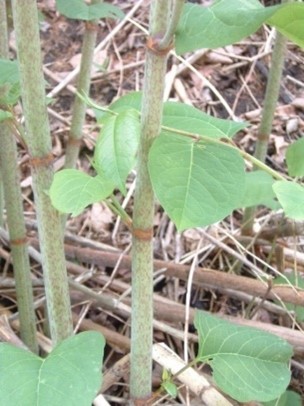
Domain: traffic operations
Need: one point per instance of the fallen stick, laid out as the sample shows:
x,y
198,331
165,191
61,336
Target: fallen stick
x,y
202,276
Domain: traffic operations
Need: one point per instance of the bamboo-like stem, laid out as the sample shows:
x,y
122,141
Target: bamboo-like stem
x,y
166,41
270,102
38,142
117,209
83,87
1,200
15,219
3,46
17,231
142,250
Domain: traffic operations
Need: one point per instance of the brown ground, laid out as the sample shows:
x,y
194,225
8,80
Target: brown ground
x,y
240,79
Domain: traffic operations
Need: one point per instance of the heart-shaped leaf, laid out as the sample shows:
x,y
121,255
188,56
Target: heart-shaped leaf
x,y
79,10
289,20
291,197
4,115
259,191
131,100
72,190
11,95
9,72
222,23
294,158
248,364
69,376
116,147
297,281
197,184
192,120
289,398
182,117
170,388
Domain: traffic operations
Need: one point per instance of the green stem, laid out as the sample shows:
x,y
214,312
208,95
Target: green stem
x,y
166,41
142,250
270,102
3,47
117,208
187,366
15,219
1,200
83,86
89,102
38,142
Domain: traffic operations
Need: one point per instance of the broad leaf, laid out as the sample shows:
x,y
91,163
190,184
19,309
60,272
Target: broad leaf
x,y
79,10
190,119
9,72
297,281
129,101
170,388
259,191
222,23
11,95
182,117
116,147
289,20
197,184
72,190
4,115
291,197
247,364
289,398
294,158
70,375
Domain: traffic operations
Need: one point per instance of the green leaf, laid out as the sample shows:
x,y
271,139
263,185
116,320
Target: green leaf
x,y
247,364
298,282
189,119
291,197
220,24
100,115
258,190
197,183
289,20
4,115
182,117
116,147
79,10
72,190
70,375
294,158
12,94
170,388
166,375
131,100
289,398
9,72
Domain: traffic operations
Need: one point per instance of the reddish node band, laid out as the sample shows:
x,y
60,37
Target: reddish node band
x,y
45,160
91,26
74,141
152,46
19,241
144,235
